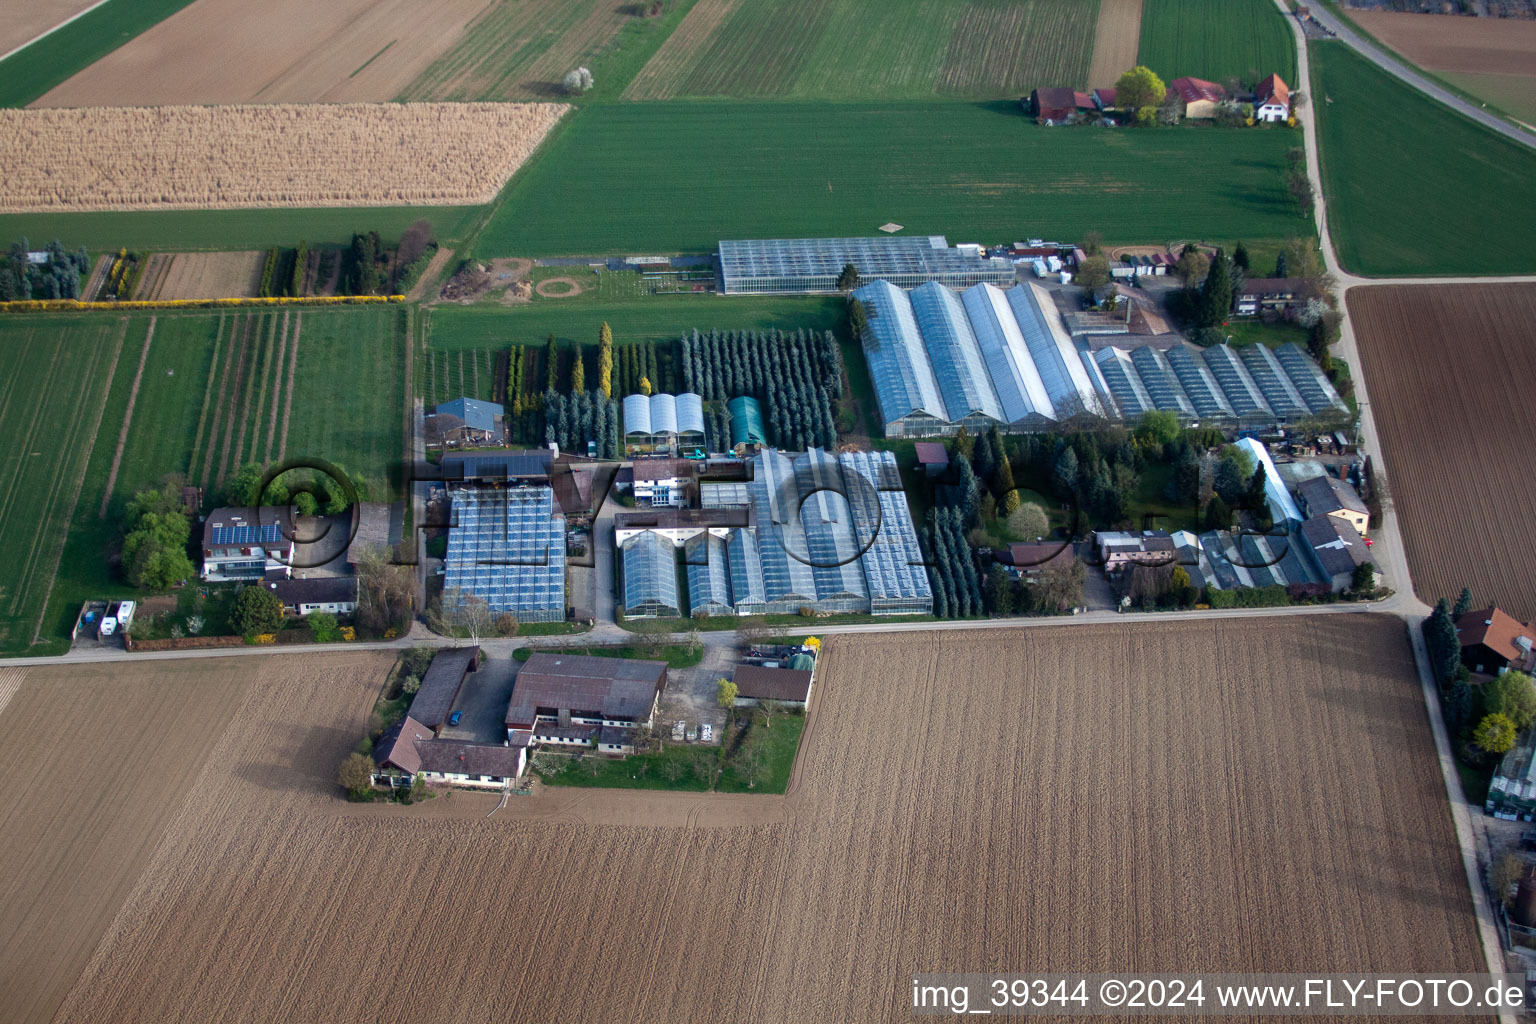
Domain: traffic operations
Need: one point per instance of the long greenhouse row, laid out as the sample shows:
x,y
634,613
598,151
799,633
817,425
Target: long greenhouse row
x,y
987,356
831,533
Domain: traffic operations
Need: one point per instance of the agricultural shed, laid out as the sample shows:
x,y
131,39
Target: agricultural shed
x,y
1057,105
585,690
932,457
663,424
1336,548
746,421
478,416
755,683
1200,97
440,685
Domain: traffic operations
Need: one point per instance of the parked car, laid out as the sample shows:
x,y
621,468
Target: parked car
x,y
456,718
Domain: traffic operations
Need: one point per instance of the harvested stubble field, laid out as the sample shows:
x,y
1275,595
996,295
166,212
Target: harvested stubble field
x,y
905,49
1228,795
281,155
1460,488
277,51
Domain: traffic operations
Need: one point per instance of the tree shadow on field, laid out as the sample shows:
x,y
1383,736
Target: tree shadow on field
x,y
308,766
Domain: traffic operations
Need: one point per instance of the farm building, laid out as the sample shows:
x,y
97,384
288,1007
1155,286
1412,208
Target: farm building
x,y
409,748
247,543
664,425
1057,105
1200,97
334,594
440,685
474,421
757,683
1492,641
841,540
1283,510
508,548
1030,560
1104,99
1269,295
1118,549
573,698
1272,100
746,422
932,457
650,577
1336,548
814,264
662,481
1329,496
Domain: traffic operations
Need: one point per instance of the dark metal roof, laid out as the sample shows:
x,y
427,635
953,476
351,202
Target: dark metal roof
x,y
1325,494
513,465
671,518
761,683
314,590
441,685
615,687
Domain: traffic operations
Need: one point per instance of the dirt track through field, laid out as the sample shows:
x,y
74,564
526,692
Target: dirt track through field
x,y
283,348
1463,496
1115,42
1221,796
122,438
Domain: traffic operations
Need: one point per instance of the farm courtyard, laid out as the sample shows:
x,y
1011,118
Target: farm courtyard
x,y
956,806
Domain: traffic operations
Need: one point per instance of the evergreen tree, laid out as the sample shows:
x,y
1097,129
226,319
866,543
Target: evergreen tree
x,y
1240,257
1441,642
1280,265
1216,293
1457,705
1463,604
1217,515
999,591
1064,475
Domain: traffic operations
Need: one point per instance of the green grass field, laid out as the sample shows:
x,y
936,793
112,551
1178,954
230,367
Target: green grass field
x,y
28,74
198,410
1216,40
223,230
441,376
1463,203
903,49
54,401
694,173
653,318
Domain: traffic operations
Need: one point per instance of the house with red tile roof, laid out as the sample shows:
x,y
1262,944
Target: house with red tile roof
x,y
1272,100
1492,641
1057,105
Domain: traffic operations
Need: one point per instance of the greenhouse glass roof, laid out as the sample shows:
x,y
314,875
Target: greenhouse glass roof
x,y
957,361
508,547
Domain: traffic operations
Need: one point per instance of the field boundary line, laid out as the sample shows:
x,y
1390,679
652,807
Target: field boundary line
x,y
240,399
202,416
44,35
221,408
293,361
101,408
14,379
262,365
122,437
277,385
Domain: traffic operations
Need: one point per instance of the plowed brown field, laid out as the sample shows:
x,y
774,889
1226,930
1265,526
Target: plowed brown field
x,y
1115,41
1230,795
1449,370
1484,45
276,51
203,275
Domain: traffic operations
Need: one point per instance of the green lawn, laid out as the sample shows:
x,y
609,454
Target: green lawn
x,y
676,655
649,318
694,173
27,75
646,771
220,230
1218,40
1256,331
778,743
1461,205
850,49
